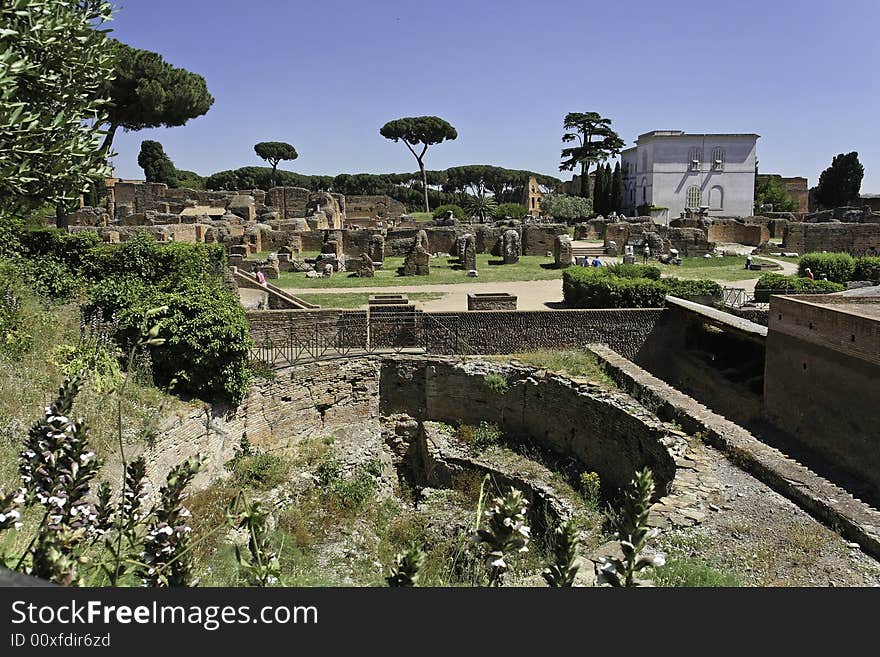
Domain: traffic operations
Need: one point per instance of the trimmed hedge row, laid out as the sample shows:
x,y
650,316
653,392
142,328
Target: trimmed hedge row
x,y
781,284
840,267
619,286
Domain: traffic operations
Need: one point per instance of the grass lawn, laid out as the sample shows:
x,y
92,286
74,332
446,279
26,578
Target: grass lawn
x,y
359,299
444,270
727,268
573,362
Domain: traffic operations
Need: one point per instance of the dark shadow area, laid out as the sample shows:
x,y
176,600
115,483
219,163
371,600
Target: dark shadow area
x,y
496,262
556,305
550,265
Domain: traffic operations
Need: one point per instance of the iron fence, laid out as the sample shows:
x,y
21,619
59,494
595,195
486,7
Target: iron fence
x,y
360,333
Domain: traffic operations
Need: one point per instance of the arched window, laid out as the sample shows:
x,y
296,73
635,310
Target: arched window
x,y
694,197
644,190
718,159
716,198
695,159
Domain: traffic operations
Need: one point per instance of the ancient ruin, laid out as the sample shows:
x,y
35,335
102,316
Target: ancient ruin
x,y
562,254
511,247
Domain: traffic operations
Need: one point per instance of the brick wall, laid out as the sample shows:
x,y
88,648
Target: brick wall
x,y
733,231
820,384
373,207
857,239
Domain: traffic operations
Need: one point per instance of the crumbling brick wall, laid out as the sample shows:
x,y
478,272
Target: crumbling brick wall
x,y
858,239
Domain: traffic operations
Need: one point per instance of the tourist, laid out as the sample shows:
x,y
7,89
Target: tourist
x,y
596,262
809,274
647,253
585,261
261,278
748,262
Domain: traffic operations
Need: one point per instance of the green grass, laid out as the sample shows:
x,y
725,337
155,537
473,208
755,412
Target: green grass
x,y
565,361
444,270
726,268
359,299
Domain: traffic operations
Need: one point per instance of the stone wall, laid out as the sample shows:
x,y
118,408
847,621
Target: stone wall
x,y
289,201
858,239
739,233
627,331
604,430
295,405
538,239
373,207
719,368
820,384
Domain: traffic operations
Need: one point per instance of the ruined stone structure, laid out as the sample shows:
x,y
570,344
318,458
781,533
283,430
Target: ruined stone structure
x,y
376,248
797,188
382,208
417,262
857,239
469,253
729,230
562,254
491,301
688,241
820,382
532,197
511,247
364,267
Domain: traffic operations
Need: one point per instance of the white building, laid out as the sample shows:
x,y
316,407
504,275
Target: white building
x,y
673,170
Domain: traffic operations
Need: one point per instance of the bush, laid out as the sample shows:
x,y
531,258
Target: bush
x,y
70,249
867,269
512,210
687,289
497,383
49,278
838,267
262,471
480,437
595,288
780,284
457,212
634,271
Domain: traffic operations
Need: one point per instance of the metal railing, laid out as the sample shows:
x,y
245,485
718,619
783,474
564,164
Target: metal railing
x,y
359,333
735,297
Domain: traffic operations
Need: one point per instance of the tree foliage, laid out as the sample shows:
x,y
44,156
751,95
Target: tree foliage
x,y
596,143
771,191
840,183
616,189
148,92
274,152
563,206
54,59
421,131
157,166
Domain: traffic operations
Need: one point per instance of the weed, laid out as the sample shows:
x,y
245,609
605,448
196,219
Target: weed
x,y
496,382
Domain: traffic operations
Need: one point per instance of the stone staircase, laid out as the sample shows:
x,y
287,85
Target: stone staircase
x,y
586,249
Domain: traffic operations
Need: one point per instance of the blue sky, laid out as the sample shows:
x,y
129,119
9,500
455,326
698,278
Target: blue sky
x,y
325,76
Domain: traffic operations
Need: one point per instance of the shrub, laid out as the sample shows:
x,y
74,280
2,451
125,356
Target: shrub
x,y
49,278
481,437
15,341
686,288
457,212
512,210
781,284
634,271
71,249
262,471
590,487
594,288
867,269
838,267
496,382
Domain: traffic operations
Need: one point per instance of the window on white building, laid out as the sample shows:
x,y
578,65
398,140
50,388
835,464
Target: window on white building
x,y
716,198
695,160
645,161
644,190
694,197
718,159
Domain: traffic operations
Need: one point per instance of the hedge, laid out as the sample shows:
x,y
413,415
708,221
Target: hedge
x,y
781,284
867,269
634,271
686,288
838,267
595,288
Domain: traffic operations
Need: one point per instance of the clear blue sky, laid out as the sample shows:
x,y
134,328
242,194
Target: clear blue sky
x,y
326,75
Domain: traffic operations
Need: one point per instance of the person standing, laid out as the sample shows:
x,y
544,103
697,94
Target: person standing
x,y
647,253
809,273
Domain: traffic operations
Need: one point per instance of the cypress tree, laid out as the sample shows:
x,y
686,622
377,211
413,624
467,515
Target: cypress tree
x,y
599,194
616,188
609,194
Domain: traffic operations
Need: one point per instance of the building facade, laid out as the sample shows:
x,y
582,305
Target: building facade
x,y
672,170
